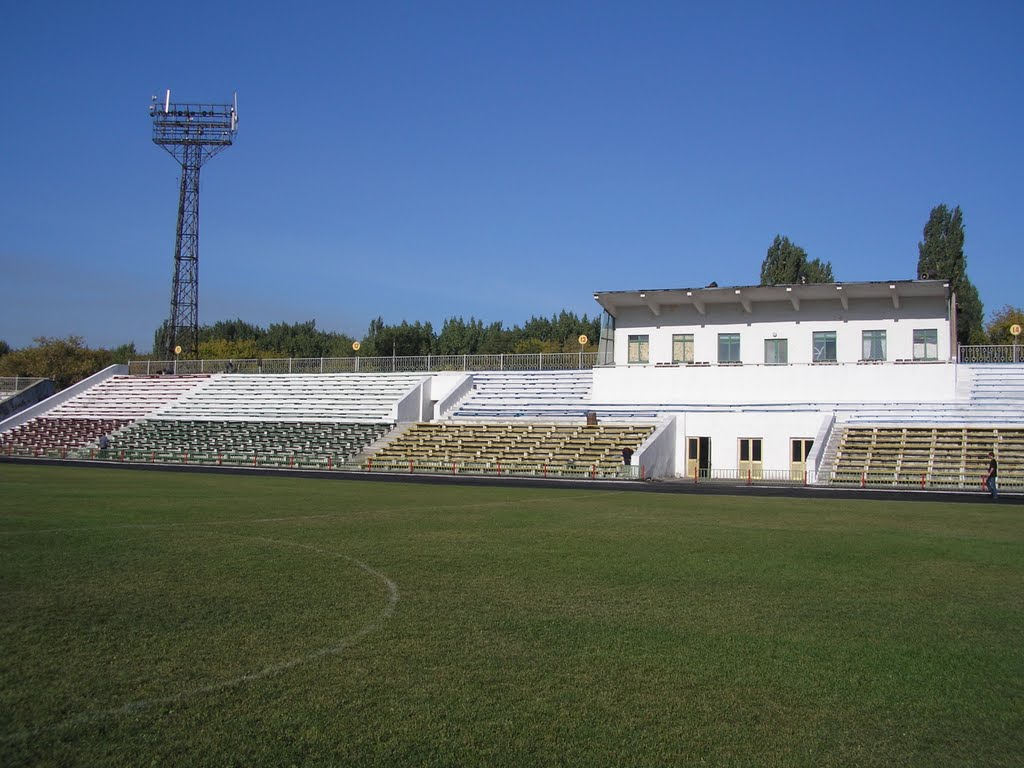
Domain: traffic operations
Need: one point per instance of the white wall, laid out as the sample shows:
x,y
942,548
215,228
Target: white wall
x,y
782,320
725,430
736,385
659,453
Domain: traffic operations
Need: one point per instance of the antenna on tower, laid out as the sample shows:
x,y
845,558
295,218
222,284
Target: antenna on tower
x,y
191,134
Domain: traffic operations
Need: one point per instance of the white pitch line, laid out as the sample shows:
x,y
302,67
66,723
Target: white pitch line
x,y
274,669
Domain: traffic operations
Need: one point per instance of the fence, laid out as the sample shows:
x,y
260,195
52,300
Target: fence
x,y
11,384
877,479
935,481
336,462
991,353
320,461
541,361
755,476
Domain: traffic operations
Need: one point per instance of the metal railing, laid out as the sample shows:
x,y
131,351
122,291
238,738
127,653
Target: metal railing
x,y
924,480
850,478
323,461
12,384
755,476
908,480
541,361
991,353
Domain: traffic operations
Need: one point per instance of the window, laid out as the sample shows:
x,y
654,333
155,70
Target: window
x,y
873,345
682,347
776,351
750,449
728,348
926,344
639,349
799,448
824,347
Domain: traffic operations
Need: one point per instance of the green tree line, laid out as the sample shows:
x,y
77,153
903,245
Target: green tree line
x,y
238,339
940,256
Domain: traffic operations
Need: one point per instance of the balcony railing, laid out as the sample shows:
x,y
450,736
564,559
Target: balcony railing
x,y
991,353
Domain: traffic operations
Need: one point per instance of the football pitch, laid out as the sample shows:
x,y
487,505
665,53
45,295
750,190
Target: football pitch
x,y
196,619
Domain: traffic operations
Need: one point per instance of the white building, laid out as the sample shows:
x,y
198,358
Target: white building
x,y
756,374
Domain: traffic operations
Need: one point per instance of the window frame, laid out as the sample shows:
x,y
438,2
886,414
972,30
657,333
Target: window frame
x,y
933,343
873,336
641,344
825,343
728,339
776,343
682,338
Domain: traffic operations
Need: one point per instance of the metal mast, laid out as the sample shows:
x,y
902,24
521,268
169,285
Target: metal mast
x,y
191,134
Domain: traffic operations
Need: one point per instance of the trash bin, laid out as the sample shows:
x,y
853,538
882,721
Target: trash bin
x,y
591,418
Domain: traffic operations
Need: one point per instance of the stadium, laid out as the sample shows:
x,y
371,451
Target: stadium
x,y
842,384
745,525
241,608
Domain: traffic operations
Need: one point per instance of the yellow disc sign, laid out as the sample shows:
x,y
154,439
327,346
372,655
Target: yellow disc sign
x,y
177,350
1015,329
355,346
583,339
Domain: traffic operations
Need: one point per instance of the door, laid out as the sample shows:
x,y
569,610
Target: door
x,y
750,464
799,447
698,457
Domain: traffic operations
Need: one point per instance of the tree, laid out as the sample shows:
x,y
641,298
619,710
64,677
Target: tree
x,y
294,340
405,340
999,326
231,330
941,257
124,353
786,264
4,347
65,361
224,349
161,340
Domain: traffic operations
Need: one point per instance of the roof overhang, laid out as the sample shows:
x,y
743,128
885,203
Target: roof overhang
x,y
747,296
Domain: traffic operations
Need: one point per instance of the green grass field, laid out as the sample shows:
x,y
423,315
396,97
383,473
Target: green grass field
x,y
153,618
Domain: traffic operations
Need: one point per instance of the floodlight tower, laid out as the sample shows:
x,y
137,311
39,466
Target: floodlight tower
x,y
191,134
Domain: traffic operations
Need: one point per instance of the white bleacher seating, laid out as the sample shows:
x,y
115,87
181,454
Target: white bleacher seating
x,y
302,397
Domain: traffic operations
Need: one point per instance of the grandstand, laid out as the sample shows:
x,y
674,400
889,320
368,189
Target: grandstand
x,y
534,448
847,384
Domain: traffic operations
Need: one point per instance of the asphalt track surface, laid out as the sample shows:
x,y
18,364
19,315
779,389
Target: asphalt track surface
x,y
682,486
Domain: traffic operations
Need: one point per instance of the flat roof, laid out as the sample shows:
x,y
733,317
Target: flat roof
x,y
748,295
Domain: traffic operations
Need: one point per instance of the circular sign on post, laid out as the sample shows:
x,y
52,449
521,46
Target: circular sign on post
x,y
583,339
355,346
1015,329
177,350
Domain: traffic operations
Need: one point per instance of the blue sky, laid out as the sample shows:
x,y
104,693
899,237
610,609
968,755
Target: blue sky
x,y
419,161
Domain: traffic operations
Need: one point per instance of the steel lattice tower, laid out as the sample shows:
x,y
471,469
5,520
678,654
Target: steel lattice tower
x,y
191,134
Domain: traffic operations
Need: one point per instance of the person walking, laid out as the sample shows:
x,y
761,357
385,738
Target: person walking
x,y
993,473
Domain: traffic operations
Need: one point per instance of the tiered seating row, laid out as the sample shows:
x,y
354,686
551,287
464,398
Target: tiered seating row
x,y
42,435
306,397
127,397
997,383
171,440
512,394
532,445
936,456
